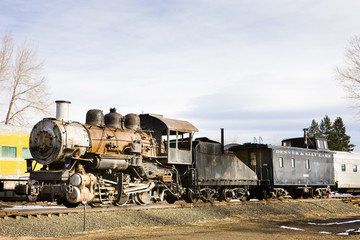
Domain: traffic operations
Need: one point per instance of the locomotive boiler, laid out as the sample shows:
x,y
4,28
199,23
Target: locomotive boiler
x,y
109,159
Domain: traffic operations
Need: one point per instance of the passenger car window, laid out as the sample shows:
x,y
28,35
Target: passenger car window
x,y
7,151
354,168
307,163
25,153
293,162
343,167
281,162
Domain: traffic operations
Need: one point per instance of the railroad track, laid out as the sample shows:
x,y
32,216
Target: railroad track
x,y
345,197
41,210
45,210
354,200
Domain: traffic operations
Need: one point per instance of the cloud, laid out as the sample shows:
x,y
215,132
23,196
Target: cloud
x,y
245,111
252,67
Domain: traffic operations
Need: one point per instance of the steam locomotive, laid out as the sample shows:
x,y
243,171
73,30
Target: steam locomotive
x,y
113,159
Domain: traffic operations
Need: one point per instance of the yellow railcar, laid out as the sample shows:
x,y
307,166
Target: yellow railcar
x,y
14,148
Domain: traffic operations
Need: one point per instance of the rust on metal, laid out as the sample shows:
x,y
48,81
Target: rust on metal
x,y
115,141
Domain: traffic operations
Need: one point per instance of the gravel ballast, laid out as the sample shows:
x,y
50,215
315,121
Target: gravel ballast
x,y
55,226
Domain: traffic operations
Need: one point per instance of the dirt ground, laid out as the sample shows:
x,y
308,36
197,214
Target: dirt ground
x,y
320,219
236,227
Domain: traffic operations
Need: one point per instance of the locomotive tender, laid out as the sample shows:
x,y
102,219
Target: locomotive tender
x,y
114,159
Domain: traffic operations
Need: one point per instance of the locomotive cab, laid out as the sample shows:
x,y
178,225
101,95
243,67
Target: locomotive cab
x,y
176,135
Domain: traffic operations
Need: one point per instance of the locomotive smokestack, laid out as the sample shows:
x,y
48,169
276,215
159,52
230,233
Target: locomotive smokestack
x,y
305,137
222,140
62,110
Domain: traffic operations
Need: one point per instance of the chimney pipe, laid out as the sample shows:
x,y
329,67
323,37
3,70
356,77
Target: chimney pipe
x,y
305,137
62,110
222,140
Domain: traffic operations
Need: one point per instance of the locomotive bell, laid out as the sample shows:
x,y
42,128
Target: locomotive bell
x,y
113,119
95,117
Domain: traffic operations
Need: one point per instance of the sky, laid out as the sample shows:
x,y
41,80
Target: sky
x,y
255,68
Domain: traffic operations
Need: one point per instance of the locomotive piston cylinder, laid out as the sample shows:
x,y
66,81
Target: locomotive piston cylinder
x,y
81,186
73,194
75,179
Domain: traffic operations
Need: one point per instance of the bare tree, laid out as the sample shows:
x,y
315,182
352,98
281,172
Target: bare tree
x,y
6,50
349,74
24,82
